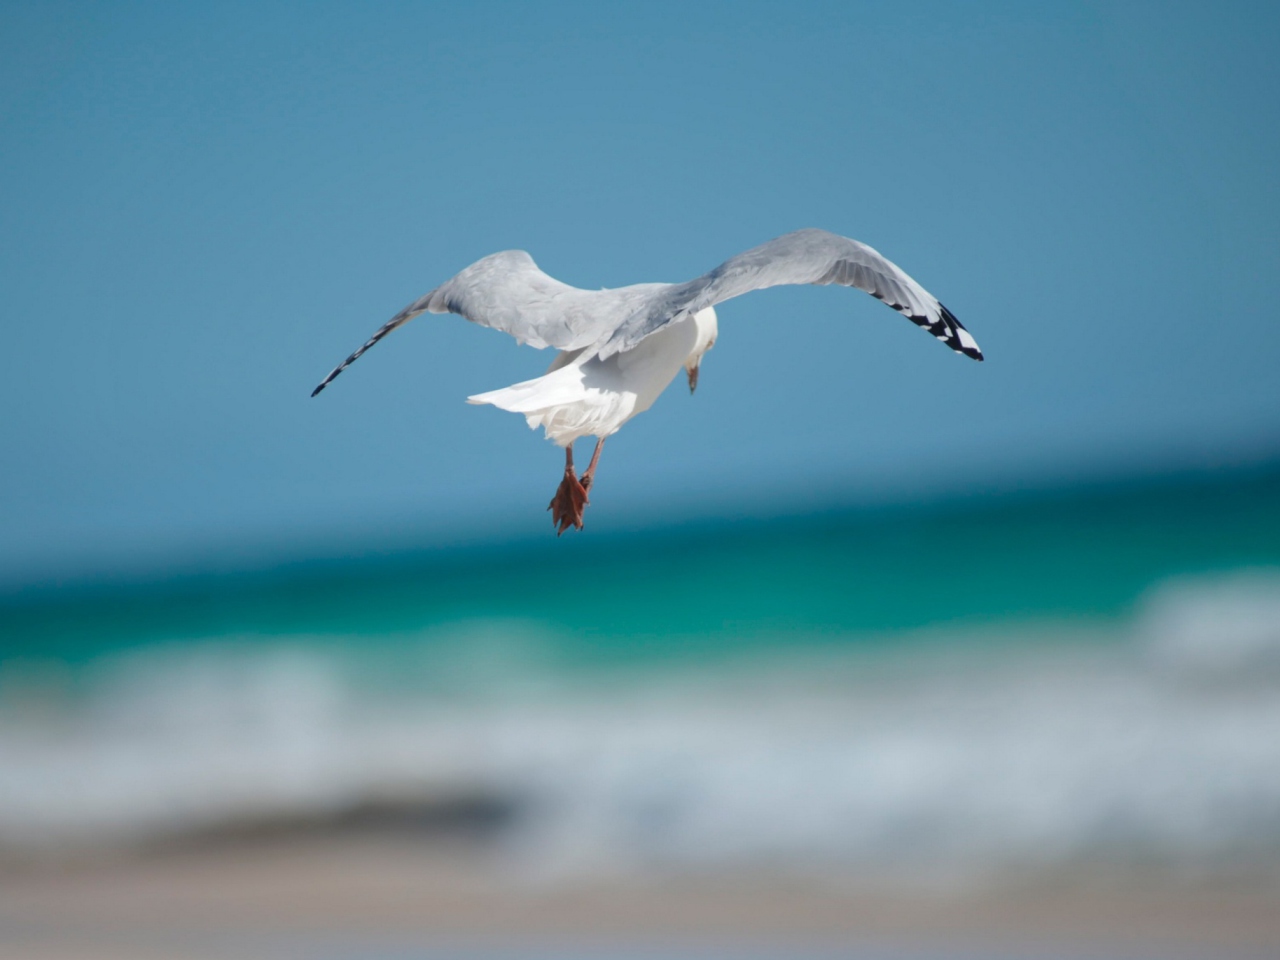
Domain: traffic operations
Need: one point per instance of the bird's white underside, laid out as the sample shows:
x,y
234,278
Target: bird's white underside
x,y
582,395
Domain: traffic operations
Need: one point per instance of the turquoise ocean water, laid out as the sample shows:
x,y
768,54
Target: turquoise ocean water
x,y
936,689
839,576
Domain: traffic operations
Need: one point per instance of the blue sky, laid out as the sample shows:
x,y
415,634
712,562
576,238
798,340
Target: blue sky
x,y
205,208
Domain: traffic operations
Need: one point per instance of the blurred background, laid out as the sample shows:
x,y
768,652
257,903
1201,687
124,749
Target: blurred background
x,y
866,650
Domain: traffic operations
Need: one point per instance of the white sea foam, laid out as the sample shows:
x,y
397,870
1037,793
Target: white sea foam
x,y
944,759
1224,624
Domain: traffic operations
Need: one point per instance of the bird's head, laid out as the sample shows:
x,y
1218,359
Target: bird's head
x,y
706,339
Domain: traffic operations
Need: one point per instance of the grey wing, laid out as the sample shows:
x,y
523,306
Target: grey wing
x,y
505,291
399,320
803,257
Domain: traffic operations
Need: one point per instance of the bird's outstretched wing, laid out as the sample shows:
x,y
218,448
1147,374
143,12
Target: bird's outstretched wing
x,y
507,291
803,257
399,320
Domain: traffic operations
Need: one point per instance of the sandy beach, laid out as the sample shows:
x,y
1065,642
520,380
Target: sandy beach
x,y
391,895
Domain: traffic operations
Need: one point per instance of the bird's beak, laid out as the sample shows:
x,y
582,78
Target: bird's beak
x,y
693,376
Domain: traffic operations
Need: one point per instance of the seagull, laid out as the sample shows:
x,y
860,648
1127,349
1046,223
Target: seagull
x,y
619,349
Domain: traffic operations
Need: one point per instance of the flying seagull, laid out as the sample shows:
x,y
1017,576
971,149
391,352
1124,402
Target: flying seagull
x,y
619,349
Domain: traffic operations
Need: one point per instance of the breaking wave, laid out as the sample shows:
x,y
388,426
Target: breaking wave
x,y
1035,746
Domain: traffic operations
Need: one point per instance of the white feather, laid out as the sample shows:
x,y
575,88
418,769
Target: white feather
x,y
581,395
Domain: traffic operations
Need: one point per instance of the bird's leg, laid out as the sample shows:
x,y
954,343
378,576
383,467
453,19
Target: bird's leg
x,y
571,496
590,475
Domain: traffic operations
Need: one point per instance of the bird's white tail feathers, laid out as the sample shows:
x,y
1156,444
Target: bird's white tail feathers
x,y
561,402
559,386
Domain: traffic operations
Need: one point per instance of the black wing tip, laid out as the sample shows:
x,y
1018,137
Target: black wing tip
x,y
329,379
954,342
